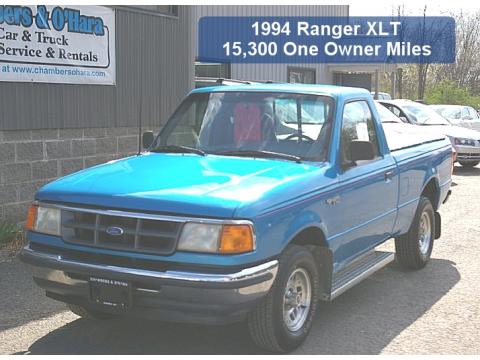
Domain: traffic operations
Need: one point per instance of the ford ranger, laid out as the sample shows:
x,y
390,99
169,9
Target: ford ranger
x,y
253,203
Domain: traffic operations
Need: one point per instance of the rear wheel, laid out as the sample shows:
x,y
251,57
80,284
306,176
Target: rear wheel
x,y
469,164
282,321
413,249
88,313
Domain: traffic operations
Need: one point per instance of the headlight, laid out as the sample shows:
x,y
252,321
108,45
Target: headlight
x,y
462,141
44,219
200,237
215,238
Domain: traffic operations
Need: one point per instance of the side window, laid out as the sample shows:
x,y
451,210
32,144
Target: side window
x,y
357,124
396,111
473,113
393,109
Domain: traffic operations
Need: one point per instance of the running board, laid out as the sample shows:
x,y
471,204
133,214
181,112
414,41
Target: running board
x,y
358,271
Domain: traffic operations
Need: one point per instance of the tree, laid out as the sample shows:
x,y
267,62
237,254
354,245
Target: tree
x,y
465,72
422,67
447,92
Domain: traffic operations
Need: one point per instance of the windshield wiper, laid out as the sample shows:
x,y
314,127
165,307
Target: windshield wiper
x,y
260,153
178,149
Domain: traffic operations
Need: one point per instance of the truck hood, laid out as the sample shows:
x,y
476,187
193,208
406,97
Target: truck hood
x,y
183,184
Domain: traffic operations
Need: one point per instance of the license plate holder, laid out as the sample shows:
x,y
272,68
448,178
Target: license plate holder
x,y
109,292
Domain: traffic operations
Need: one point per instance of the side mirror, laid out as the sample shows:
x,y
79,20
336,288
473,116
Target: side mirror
x,y
147,139
361,150
404,119
468,117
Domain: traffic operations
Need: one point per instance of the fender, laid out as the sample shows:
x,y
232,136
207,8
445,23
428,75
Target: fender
x,y
432,191
304,220
308,229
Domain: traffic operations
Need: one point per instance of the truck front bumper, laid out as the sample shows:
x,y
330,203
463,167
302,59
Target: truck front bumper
x,y
194,297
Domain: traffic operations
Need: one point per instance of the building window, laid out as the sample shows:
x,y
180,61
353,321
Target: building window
x,y
157,9
361,80
301,75
213,70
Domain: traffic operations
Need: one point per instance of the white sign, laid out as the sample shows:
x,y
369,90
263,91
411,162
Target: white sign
x,y
57,44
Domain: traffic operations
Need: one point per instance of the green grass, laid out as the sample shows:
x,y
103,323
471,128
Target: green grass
x,y
8,232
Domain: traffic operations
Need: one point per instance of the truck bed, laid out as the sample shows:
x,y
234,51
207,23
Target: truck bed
x,y
401,136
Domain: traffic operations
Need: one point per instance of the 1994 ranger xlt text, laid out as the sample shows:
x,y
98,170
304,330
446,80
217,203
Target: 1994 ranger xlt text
x,y
253,203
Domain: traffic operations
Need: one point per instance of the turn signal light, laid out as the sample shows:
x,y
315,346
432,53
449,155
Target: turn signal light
x,y
31,217
236,239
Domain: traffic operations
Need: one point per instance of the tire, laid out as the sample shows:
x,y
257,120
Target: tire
x,y
469,164
412,252
266,322
88,313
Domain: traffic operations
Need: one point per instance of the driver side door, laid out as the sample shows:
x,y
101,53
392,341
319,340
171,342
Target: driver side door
x,y
367,204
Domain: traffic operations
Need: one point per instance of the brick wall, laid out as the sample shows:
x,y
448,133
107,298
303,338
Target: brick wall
x,y
32,158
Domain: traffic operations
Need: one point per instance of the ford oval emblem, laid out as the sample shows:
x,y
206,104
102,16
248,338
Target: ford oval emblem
x,y
115,231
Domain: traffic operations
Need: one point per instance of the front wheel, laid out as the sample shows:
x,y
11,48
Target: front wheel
x,y
469,164
413,249
282,321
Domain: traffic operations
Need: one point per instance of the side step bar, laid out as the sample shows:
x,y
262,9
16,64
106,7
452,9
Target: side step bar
x,y
358,271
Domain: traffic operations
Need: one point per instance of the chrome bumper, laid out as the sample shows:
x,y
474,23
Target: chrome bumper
x,y
467,153
171,295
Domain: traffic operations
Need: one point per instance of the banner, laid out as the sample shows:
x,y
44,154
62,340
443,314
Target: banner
x,y
374,40
56,44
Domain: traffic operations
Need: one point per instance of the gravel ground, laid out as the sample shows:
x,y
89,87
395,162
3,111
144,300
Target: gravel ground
x,y
434,310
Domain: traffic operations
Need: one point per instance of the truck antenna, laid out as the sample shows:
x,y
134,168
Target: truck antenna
x,y
140,123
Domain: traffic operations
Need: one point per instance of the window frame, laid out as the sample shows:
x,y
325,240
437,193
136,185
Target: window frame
x,y
227,67
341,161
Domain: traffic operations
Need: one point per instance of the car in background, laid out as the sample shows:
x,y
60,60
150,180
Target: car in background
x,y
465,141
386,116
460,115
396,130
382,95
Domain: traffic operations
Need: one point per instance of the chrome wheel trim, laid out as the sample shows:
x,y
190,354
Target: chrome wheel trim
x,y
297,299
424,233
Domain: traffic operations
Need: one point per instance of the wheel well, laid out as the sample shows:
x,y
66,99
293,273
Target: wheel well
x,y
310,236
315,240
431,192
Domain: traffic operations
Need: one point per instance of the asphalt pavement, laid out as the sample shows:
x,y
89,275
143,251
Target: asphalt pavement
x,y
432,311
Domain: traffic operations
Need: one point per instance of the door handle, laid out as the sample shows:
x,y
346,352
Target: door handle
x,y
389,175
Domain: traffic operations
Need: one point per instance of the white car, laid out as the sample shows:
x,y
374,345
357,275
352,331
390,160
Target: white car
x,y
465,116
465,141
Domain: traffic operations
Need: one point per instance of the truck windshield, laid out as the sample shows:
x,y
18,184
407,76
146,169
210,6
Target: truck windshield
x,y
251,124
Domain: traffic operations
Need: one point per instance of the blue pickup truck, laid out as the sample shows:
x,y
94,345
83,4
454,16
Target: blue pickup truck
x,y
253,203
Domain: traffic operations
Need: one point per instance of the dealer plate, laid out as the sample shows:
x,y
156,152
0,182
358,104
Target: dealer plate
x,y
109,292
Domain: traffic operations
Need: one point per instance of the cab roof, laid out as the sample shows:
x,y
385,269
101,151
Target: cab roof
x,y
329,90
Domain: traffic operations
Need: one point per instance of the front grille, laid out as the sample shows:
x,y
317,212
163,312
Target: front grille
x,y
120,232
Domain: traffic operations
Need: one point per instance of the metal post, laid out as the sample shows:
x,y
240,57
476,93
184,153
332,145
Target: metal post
x,y
393,77
400,83
377,84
